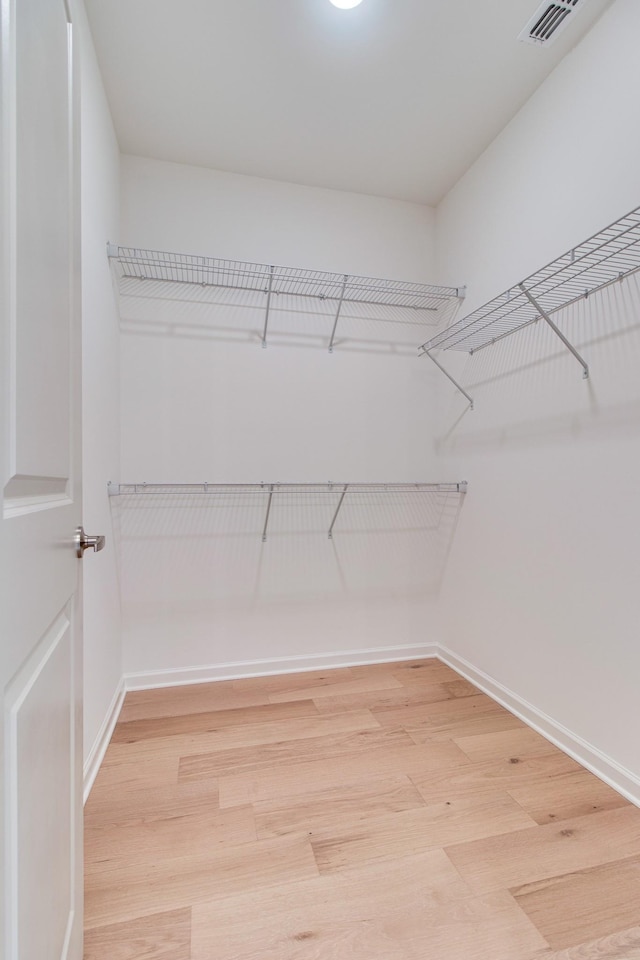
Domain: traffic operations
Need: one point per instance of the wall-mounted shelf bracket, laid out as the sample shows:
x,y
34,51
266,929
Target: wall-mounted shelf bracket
x,y
339,308
447,375
545,316
335,516
266,316
266,519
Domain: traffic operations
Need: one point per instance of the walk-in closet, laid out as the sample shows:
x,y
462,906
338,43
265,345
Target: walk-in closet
x,y
320,443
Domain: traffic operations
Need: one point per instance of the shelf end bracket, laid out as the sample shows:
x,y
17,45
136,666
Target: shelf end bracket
x,y
545,316
447,375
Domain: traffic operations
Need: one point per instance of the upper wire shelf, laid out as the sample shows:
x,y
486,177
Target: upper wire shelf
x,y
604,259
334,494
276,281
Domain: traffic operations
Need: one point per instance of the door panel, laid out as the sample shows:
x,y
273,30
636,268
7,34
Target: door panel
x,y
40,724
40,484
43,127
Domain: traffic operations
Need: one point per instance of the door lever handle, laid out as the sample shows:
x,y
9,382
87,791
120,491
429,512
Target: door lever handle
x,y
83,542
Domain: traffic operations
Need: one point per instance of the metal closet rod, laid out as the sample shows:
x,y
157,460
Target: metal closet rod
x,y
149,489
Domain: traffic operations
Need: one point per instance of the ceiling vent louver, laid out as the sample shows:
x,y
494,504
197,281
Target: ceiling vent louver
x,y
549,20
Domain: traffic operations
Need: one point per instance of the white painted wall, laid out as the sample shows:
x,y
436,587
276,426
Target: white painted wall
x,y
100,357
202,401
542,589
171,206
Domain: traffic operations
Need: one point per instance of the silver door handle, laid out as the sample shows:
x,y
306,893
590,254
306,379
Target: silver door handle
x,y
83,542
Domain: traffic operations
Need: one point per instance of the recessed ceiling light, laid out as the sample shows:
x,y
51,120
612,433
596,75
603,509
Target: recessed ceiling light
x,y
346,4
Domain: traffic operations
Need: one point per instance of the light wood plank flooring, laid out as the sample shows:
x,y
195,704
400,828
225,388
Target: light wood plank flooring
x,y
388,811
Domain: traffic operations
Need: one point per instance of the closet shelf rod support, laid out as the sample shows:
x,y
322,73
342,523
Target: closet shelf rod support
x,y
266,519
266,316
335,322
335,516
545,316
448,375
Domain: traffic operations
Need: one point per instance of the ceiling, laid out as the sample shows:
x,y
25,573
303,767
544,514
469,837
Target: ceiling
x,y
394,98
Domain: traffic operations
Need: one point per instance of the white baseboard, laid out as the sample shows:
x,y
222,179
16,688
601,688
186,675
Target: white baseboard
x,y
99,748
604,767
264,668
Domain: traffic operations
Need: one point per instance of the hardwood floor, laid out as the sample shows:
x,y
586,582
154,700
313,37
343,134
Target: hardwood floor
x,y
387,811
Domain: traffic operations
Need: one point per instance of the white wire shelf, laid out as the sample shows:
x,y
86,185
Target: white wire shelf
x,y
421,301
333,495
604,259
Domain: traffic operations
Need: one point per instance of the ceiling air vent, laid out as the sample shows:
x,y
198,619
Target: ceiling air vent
x,y
549,20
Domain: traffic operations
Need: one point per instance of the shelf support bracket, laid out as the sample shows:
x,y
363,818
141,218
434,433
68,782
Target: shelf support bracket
x,y
335,516
449,377
266,519
266,316
534,303
335,322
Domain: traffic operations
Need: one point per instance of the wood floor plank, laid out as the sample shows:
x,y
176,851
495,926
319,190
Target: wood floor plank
x,y
621,945
136,803
265,755
522,742
482,928
399,697
494,777
333,927
571,795
209,722
332,808
131,889
278,683
190,834
154,772
242,735
298,778
461,688
430,666
425,714
363,685
584,906
416,831
294,920
425,671
546,851
188,698
162,936
450,727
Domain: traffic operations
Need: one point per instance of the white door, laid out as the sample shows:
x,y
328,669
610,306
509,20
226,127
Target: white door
x,y
40,643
